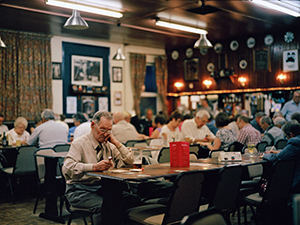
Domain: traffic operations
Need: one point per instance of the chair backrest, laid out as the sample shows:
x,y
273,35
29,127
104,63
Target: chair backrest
x,y
62,148
164,155
148,140
260,146
25,160
3,161
280,182
131,143
194,148
254,170
140,144
40,163
235,147
228,186
156,142
185,197
210,216
280,144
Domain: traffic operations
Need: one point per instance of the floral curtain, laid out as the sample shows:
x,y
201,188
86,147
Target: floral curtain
x,y
161,69
25,75
138,73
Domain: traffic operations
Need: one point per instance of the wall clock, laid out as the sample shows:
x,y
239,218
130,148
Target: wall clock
x,y
175,55
189,52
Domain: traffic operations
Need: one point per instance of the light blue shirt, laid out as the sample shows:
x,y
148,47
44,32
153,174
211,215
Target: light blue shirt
x,y
48,135
289,108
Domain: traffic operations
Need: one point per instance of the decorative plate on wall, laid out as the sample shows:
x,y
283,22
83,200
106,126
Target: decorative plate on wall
x,y
210,67
250,42
218,48
234,45
175,55
203,51
189,52
269,39
243,64
288,37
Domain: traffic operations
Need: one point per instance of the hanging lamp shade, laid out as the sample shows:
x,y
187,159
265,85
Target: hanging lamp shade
x,y
203,42
75,22
119,55
2,45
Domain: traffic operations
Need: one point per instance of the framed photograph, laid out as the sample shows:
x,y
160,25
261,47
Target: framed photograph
x,y
222,61
56,71
103,104
118,98
191,69
117,74
262,60
290,60
88,105
86,70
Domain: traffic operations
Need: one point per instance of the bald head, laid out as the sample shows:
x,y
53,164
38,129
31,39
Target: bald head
x,y
117,117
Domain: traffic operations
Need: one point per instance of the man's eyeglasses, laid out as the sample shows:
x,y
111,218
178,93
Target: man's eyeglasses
x,y
102,130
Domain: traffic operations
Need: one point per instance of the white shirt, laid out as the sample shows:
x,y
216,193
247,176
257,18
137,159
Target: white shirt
x,y
3,128
124,131
171,135
82,129
189,129
24,137
64,124
234,127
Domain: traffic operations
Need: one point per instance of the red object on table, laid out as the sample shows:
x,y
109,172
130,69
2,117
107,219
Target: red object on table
x,y
179,154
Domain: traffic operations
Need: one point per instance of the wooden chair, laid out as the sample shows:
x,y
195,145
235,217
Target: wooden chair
x,y
210,216
183,201
24,165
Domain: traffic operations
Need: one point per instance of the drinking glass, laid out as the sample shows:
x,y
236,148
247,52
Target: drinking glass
x,y
138,155
251,148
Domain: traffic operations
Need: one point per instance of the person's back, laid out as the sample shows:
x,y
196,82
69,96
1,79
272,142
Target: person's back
x,y
124,131
248,134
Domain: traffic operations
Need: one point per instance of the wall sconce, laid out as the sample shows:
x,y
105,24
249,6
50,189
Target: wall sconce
x,y
178,85
281,78
242,81
207,83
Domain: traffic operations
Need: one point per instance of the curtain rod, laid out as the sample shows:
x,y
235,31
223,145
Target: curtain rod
x,y
23,32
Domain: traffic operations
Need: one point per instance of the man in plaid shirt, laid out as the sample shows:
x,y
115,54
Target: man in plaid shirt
x,y
248,134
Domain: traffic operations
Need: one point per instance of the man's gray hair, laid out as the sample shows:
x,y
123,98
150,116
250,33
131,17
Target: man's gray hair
x,y
48,114
266,120
259,114
97,116
279,121
201,113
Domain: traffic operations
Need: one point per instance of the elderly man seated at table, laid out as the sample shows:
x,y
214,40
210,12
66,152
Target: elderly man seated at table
x,y
248,134
91,152
225,135
279,122
49,133
19,131
124,131
271,133
291,151
196,128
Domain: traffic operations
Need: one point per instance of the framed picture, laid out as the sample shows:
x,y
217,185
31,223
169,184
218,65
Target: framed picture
x,y
290,60
191,69
88,105
103,103
56,71
262,60
117,74
118,98
222,61
86,70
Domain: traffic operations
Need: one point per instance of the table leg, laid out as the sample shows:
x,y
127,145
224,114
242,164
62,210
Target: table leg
x,y
112,208
51,212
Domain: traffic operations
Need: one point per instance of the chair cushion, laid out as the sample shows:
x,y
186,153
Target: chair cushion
x,y
148,214
254,199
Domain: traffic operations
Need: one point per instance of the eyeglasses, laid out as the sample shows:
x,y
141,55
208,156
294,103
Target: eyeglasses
x,y
102,130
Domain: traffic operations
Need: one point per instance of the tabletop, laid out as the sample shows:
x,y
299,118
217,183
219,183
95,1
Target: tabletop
x,y
52,154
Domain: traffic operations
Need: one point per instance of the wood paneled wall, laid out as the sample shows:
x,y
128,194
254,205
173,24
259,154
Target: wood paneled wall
x,y
256,79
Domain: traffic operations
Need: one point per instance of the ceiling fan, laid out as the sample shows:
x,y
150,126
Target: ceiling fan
x,y
204,9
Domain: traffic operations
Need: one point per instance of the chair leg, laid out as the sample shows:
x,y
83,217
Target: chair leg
x,y
61,204
239,215
11,190
84,220
35,205
92,221
70,218
245,214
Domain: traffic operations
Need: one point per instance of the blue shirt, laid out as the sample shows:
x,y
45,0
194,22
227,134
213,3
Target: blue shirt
x,y
289,108
290,151
71,132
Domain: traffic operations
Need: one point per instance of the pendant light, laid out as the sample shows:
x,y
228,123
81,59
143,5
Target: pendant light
x,y
2,45
203,42
119,55
76,22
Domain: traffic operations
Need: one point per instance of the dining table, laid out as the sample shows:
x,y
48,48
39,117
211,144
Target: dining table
x,y
51,163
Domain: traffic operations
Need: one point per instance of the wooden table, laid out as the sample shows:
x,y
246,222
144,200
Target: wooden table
x,y
51,212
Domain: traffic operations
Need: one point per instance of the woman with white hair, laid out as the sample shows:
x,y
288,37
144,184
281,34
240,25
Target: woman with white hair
x,y
19,131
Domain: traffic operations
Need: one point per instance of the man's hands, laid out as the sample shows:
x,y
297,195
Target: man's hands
x,y
103,165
